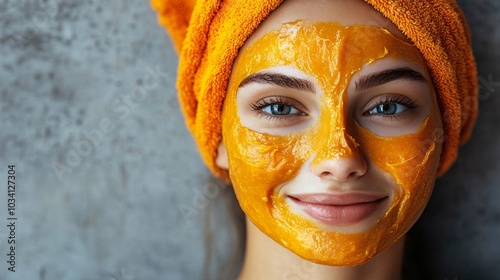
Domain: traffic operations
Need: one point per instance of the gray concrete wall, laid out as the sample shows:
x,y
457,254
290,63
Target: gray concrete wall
x,y
105,168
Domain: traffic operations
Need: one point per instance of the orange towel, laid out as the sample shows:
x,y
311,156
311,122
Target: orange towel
x,y
208,34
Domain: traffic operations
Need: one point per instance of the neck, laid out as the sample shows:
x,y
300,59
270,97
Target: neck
x,y
266,259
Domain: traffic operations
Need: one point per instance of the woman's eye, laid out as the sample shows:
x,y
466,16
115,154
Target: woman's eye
x,y
390,108
280,109
393,105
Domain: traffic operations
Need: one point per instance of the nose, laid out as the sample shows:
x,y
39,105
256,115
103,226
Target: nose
x,y
341,169
339,159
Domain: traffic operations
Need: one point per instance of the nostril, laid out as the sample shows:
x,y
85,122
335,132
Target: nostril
x,y
354,174
332,176
326,174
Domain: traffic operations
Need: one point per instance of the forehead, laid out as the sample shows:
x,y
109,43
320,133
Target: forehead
x,y
327,51
344,12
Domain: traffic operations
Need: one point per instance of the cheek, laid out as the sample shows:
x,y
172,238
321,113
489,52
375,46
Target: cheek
x,y
412,162
258,162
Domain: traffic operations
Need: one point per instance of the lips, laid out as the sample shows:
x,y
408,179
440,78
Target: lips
x,y
342,209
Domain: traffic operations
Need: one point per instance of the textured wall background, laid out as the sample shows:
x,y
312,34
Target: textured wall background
x,y
109,185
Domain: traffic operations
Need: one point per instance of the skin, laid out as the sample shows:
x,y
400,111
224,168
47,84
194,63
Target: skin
x,y
332,141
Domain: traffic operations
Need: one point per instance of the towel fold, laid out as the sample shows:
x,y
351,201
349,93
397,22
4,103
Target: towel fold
x,y
207,34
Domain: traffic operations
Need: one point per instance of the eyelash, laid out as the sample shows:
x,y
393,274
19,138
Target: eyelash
x,y
399,99
263,103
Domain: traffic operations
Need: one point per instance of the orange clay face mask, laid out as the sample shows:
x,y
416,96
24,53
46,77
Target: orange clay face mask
x,y
261,164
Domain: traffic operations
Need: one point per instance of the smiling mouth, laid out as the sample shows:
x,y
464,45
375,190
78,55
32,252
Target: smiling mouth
x,y
342,209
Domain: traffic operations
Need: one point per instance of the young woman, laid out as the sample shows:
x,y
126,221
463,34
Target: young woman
x,y
331,121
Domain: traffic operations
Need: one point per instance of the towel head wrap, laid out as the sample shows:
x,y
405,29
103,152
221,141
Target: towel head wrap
x,y
208,34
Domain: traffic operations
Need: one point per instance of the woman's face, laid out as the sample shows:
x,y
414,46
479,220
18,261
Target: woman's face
x,y
331,129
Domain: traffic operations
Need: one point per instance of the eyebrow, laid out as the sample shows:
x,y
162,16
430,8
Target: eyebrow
x,y
279,80
387,76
